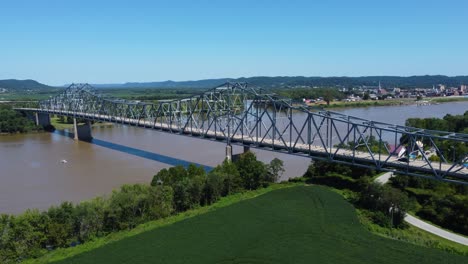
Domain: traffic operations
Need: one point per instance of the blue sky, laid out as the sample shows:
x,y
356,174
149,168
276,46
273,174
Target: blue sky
x,y
58,42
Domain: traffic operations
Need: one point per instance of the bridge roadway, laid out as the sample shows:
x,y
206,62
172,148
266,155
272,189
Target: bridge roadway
x,y
383,161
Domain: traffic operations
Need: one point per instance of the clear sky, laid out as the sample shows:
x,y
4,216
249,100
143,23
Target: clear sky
x,y
58,42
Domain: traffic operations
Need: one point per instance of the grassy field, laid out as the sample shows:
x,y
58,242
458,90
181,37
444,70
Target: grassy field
x,y
306,224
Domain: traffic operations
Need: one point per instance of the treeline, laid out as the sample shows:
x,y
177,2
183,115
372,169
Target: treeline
x,y
193,187
33,233
452,123
12,121
442,203
452,151
328,94
384,205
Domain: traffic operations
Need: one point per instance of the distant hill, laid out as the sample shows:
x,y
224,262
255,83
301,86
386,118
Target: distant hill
x,y
20,85
426,81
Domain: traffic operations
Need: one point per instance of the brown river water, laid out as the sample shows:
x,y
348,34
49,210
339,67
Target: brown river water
x,y
32,174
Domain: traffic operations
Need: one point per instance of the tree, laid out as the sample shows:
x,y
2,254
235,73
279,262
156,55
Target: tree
x,y
228,172
328,96
213,187
366,96
170,176
194,171
182,198
22,236
252,171
387,200
275,170
310,172
12,121
396,203
137,203
61,227
89,219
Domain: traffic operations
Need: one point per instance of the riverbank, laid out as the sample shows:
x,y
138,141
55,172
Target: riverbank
x,y
388,102
62,125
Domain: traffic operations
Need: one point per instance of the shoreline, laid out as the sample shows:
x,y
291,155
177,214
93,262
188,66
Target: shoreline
x,y
369,103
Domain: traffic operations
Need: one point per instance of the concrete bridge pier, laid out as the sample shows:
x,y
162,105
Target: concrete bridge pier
x,y
246,149
229,152
42,119
234,157
82,132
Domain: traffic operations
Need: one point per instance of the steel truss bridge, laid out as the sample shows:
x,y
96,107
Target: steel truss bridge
x,y
238,114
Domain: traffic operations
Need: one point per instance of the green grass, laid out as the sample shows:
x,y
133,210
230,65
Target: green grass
x,y
449,99
304,224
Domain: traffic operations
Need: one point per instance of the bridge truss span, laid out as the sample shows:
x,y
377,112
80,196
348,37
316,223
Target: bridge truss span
x,y
235,113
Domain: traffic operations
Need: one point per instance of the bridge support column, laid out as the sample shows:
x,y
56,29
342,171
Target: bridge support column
x,y
235,157
75,129
246,149
82,132
229,152
42,119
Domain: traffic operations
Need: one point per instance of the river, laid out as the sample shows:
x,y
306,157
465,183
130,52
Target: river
x,y
32,174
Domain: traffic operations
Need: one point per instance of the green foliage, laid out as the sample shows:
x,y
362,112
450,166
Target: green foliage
x,y
385,200
442,203
12,121
434,158
30,234
448,211
231,176
275,170
138,203
366,96
453,123
370,142
89,219
320,169
213,188
253,173
61,225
